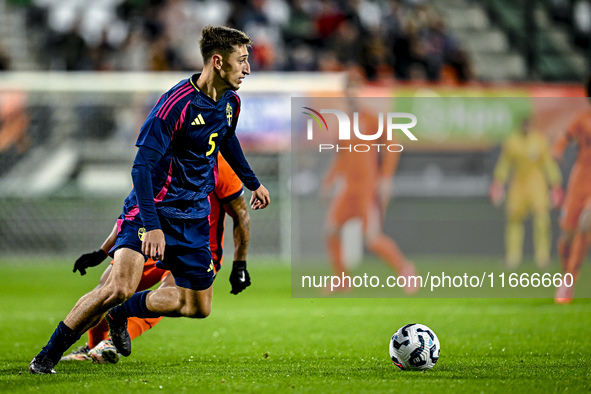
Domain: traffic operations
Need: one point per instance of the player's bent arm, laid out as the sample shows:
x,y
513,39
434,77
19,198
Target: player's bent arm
x,y
110,241
503,167
554,176
501,172
232,152
146,159
388,168
389,165
238,211
561,143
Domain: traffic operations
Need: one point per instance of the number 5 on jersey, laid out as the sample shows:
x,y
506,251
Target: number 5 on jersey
x,y
211,143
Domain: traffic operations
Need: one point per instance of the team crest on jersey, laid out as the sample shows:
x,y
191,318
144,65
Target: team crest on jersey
x,y
229,113
141,233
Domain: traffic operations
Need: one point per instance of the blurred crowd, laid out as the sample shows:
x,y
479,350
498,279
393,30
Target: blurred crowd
x,y
575,17
388,39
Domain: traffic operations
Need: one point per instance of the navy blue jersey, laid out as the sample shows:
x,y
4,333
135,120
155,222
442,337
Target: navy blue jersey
x,y
187,127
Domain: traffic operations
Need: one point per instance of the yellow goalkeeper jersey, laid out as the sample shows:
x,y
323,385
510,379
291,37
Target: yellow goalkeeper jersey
x,y
527,160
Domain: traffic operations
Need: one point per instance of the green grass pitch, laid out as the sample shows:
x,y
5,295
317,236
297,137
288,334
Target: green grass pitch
x,y
265,341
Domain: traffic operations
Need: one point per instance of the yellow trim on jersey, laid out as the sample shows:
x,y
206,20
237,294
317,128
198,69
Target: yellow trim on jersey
x,y
194,84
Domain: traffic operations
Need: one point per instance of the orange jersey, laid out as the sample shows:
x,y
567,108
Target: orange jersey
x,y
228,187
151,275
578,192
579,131
361,171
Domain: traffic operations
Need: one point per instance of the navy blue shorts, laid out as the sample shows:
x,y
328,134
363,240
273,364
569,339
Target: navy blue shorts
x,y
186,255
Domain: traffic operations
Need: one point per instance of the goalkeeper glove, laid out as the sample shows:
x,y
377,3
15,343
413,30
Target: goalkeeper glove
x,y
239,278
89,260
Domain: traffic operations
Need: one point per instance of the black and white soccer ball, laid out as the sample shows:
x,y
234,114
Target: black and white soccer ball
x,y
414,347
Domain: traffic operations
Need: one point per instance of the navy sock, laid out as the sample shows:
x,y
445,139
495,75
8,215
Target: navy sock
x,y
62,338
135,306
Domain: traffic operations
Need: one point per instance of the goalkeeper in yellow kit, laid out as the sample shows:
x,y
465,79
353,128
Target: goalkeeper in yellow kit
x,y
526,158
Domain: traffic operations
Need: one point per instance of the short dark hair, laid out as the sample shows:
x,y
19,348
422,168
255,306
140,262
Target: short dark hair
x,y
221,39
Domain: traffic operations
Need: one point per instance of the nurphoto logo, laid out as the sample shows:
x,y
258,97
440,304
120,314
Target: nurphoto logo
x,y
344,130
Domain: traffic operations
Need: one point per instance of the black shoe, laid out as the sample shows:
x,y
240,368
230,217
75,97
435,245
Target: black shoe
x,y
119,334
42,365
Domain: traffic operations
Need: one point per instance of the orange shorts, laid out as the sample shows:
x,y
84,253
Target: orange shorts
x,y
151,275
348,206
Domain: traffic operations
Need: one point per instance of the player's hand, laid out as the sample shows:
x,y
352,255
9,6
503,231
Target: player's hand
x,y
556,196
239,278
89,260
260,198
153,244
496,193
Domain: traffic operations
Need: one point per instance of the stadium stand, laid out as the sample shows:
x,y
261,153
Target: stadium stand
x,y
488,40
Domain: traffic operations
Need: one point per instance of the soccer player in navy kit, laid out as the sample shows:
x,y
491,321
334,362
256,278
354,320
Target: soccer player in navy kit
x,y
165,217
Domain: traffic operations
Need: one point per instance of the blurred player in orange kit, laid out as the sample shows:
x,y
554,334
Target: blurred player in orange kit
x,y
575,217
226,198
365,194
526,157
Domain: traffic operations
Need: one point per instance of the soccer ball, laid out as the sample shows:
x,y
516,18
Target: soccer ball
x,y
414,346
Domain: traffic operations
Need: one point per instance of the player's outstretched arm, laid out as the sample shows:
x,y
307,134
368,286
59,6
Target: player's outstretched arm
x,y
260,198
560,145
238,211
554,176
93,259
232,152
503,168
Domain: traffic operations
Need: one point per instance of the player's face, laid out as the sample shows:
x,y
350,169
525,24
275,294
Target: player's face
x,y
235,67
